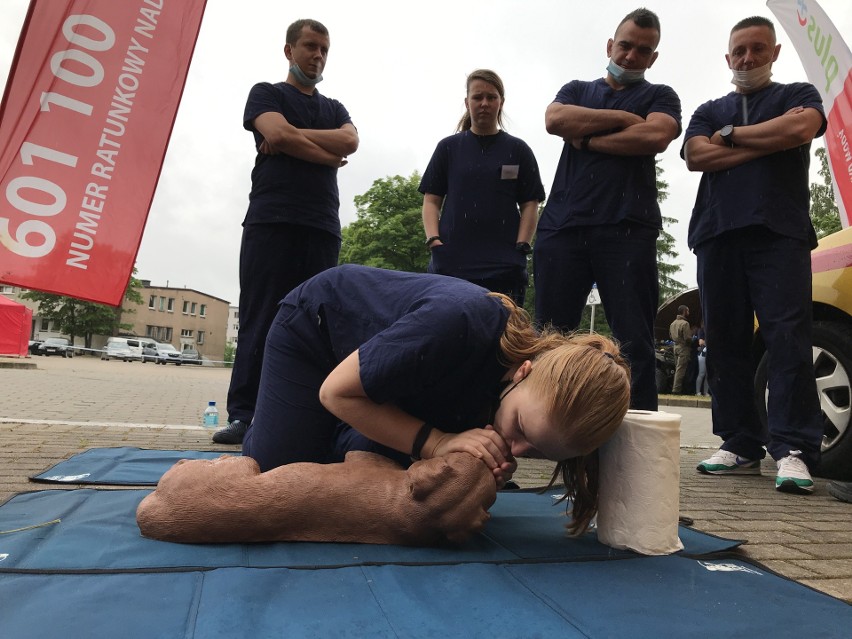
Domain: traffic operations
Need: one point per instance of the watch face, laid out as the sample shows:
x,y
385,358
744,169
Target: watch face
x,y
726,130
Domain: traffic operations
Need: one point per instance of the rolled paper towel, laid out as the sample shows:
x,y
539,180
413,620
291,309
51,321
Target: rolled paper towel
x,y
639,497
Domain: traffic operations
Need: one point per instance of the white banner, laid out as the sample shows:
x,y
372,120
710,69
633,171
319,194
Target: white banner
x,y
828,64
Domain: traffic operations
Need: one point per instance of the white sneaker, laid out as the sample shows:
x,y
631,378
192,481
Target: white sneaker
x,y
793,475
724,462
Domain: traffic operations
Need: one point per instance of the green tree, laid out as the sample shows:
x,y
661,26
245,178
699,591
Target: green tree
x,y
79,318
824,212
666,253
230,353
388,231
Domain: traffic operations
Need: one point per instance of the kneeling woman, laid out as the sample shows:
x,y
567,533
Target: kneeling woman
x,y
418,366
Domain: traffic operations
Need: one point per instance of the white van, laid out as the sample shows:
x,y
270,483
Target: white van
x,y
134,345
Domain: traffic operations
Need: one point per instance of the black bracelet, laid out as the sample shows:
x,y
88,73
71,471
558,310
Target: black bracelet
x,y
420,440
432,239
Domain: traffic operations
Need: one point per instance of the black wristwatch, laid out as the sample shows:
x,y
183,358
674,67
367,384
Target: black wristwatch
x,y
432,240
523,247
726,133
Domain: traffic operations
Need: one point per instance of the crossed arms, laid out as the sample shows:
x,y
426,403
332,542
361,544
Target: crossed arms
x,y
627,133
321,146
794,128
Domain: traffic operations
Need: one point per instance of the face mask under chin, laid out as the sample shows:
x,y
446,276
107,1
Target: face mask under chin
x,y
302,78
624,76
752,79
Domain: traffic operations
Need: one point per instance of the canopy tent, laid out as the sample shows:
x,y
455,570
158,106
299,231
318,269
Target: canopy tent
x,y
15,321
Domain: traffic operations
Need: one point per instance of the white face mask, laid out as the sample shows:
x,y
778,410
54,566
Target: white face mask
x,y
752,79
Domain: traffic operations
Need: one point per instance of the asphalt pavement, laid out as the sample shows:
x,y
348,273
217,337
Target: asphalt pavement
x,y
52,408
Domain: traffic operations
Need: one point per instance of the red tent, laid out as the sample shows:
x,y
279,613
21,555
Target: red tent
x,y
15,322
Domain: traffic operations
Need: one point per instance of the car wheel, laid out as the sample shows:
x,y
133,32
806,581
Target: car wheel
x,y
832,350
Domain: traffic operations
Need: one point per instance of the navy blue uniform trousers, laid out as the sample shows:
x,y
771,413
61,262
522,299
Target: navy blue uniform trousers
x,y
290,423
274,259
756,272
622,259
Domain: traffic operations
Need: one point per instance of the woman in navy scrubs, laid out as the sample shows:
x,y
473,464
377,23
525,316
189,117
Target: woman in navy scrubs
x,y
417,366
481,192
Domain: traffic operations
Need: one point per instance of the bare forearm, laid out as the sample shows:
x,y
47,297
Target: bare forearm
x,y
431,214
529,220
793,129
279,136
342,142
570,121
704,155
640,139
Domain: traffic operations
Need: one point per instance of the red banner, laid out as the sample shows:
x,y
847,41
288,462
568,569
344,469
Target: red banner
x,y
84,125
828,62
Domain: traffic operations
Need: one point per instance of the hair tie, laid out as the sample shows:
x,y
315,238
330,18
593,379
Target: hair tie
x,y
607,354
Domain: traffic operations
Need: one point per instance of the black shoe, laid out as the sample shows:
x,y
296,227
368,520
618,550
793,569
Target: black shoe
x,y
233,433
841,490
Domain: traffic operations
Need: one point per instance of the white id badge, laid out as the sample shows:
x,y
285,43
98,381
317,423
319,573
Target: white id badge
x,y
509,171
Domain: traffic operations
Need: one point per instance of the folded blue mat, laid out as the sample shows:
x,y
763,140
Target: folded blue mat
x,y
97,531
122,466
652,597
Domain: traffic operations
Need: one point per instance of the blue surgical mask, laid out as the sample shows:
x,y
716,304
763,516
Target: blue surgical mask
x,y
624,76
302,79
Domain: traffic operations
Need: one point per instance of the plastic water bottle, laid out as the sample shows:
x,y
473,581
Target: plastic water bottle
x,y
211,415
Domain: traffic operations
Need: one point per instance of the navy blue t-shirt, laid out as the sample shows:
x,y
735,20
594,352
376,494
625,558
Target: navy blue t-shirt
x,y
599,188
284,188
483,180
428,343
771,191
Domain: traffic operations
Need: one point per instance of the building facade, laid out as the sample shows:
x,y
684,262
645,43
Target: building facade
x,y
233,325
183,317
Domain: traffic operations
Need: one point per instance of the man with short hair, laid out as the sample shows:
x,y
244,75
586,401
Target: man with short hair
x,y
681,335
292,229
752,235
602,218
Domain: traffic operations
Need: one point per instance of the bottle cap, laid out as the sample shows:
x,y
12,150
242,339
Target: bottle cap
x,y
211,403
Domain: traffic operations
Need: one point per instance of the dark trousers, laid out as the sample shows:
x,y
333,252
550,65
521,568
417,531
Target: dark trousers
x,y
514,287
622,259
751,272
290,423
274,259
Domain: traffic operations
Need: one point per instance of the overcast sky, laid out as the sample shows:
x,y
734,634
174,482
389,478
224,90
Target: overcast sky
x,y
400,69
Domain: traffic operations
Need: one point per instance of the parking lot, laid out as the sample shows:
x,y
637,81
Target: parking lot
x,y
88,389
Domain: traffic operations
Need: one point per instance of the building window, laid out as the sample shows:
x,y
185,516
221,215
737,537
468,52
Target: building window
x,y
7,290
185,307
185,332
237,327
152,301
167,334
45,324
236,315
150,331
203,311
162,303
192,310
200,337
171,306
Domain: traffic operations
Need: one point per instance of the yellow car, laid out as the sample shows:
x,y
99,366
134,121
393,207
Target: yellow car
x,y
831,263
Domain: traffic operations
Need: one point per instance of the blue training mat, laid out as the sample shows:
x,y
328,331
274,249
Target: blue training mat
x,y
652,597
122,466
87,572
97,531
